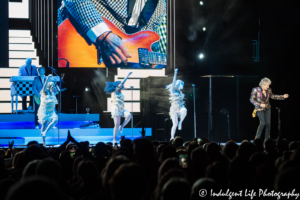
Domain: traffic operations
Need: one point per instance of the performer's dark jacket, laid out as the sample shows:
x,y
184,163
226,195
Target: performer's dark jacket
x,y
257,98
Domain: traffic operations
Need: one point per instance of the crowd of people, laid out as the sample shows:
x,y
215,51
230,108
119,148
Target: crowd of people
x,y
143,169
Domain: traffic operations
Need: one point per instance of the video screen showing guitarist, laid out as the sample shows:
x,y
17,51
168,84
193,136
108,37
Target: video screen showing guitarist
x,y
113,33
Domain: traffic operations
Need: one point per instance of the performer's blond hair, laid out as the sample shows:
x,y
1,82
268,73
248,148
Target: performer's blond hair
x,y
265,81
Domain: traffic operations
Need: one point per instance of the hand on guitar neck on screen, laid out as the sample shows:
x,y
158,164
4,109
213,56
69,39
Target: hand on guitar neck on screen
x,y
114,48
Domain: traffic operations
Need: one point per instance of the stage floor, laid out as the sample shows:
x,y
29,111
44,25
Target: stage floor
x,y
20,128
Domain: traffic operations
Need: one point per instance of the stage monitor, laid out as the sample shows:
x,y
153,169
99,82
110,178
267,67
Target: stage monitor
x,y
141,25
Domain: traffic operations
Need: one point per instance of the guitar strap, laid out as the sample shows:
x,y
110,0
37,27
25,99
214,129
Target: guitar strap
x,y
130,9
144,16
147,12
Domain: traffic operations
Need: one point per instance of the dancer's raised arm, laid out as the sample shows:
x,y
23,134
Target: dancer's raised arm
x,y
174,80
46,82
123,82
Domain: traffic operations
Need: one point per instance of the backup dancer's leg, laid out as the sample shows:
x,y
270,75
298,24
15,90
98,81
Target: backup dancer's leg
x,y
43,132
183,112
117,120
127,116
44,127
50,126
175,123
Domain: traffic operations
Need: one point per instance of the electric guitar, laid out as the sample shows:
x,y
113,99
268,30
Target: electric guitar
x,y
38,99
73,47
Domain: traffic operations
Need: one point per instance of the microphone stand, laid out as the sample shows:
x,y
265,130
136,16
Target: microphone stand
x,y
193,85
279,124
60,83
131,87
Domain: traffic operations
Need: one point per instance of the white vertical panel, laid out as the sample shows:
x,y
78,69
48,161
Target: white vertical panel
x,y
19,10
4,83
8,72
127,93
6,107
5,96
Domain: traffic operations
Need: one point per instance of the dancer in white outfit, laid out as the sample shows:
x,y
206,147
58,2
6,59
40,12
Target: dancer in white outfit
x,y
46,113
177,104
117,109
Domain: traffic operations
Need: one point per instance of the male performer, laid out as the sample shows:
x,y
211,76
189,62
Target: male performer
x,y
129,16
260,98
27,70
37,86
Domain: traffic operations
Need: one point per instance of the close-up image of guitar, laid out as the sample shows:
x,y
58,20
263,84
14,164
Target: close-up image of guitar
x,y
74,48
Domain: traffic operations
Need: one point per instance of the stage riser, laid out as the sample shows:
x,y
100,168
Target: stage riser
x,y
31,125
29,117
59,136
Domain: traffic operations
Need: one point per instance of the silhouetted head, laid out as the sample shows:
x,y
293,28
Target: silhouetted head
x,y
286,181
218,172
30,169
269,146
199,157
127,177
113,164
176,184
142,148
100,150
295,156
203,183
265,177
246,150
88,173
167,152
167,176
49,168
33,152
293,145
35,188
178,142
168,164
259,145
213,150
32,143
240,173
257,159
127,143
230,149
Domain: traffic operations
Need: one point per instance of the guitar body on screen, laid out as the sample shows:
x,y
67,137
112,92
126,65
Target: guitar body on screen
x,y
73,47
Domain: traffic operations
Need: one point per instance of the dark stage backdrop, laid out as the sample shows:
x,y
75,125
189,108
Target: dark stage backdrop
x,y
4,34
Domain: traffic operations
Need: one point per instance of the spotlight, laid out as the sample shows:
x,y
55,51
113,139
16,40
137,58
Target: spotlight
x,y
201,55
201,3
204,29
86,89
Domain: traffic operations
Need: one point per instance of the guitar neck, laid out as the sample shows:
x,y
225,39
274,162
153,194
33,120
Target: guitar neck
x,y
157,58
147,58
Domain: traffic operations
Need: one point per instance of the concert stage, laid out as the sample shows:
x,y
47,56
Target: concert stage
x,y
21,129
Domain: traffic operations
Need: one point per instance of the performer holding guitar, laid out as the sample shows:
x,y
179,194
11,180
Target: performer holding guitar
x,y
117,109
260,98
95,20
